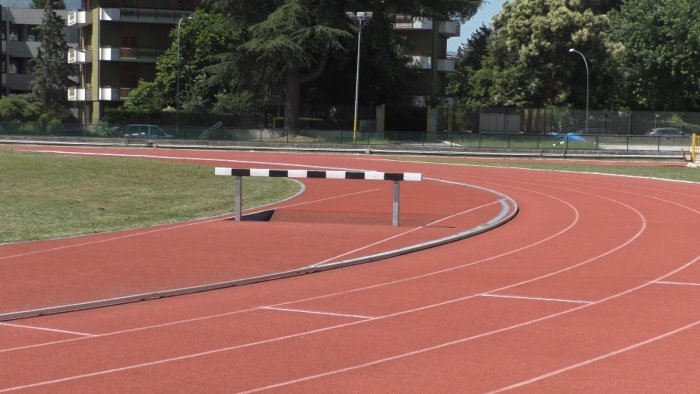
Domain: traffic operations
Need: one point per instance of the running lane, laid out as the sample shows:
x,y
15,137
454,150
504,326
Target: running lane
x,y
332,222
593,281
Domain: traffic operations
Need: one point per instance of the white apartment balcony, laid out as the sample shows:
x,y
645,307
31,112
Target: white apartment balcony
x,y
113,94
141,55
23,49
80,18
143,15
422,62
450,29
447,65
13,80
78,56
79,94
426,63
409,22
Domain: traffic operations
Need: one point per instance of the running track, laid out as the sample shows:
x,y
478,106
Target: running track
x,y
593,287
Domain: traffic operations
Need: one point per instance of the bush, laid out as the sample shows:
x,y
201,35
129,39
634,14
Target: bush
x,y
19,108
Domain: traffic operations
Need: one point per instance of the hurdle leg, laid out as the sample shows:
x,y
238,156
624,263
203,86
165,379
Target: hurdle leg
x,y
395,215
239,197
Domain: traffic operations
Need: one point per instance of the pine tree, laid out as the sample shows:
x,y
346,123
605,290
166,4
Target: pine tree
x,y
51,69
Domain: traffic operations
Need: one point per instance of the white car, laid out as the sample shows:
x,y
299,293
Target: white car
x,y
146,131
665,132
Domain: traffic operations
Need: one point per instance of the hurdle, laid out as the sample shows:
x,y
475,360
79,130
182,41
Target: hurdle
x,y
397,178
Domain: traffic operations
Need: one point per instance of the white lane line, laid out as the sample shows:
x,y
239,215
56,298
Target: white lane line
x,y
82,334
596,359
490,333
272,308
535,298
344,292
666,282
402,234
185,158
404,312
177,226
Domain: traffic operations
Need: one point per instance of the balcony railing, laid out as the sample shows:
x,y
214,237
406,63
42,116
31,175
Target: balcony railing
x,y
78,56
426,63
114,94
145,55
78,18
23,49
447,65
79,94
450,29
413,23
146,15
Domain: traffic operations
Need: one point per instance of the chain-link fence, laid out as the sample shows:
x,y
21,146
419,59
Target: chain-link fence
x,y
391,123
541,120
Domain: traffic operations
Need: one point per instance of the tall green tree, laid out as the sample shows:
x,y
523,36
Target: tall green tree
x,y
531,62
279,46
658,47
467,80
530,46
51,69
185,64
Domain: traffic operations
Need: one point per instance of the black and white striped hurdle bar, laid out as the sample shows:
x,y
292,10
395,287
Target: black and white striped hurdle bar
x,y
239,173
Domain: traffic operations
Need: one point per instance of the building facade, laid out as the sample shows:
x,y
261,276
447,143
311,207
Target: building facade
x,y
427,40
20,44
119,42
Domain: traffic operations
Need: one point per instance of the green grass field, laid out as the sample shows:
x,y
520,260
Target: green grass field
x,y
48,196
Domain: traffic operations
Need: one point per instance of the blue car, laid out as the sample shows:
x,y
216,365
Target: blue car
x,y
570,136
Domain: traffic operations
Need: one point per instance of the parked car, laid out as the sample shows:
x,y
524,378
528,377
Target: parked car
x,y
594,130
571,136
665,132
145,131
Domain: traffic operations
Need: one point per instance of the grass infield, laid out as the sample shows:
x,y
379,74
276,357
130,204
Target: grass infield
x,y
48,196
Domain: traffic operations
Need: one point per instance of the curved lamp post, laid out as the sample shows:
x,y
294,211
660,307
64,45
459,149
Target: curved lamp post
x,y
361,19
572,50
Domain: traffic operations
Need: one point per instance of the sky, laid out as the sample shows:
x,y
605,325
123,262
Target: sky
x,y
488,9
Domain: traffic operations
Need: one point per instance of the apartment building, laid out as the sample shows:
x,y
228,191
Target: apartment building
x,y
119,43
120,40
20,44
428,41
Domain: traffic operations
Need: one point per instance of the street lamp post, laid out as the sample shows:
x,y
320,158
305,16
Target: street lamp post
x,y
572,50
361,19
177,77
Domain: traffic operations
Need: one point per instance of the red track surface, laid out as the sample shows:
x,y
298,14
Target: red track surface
x,y
593,287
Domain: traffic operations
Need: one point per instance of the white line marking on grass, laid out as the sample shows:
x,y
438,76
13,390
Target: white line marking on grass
x,y
664,282
534,298
189,159
272,308
82,334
